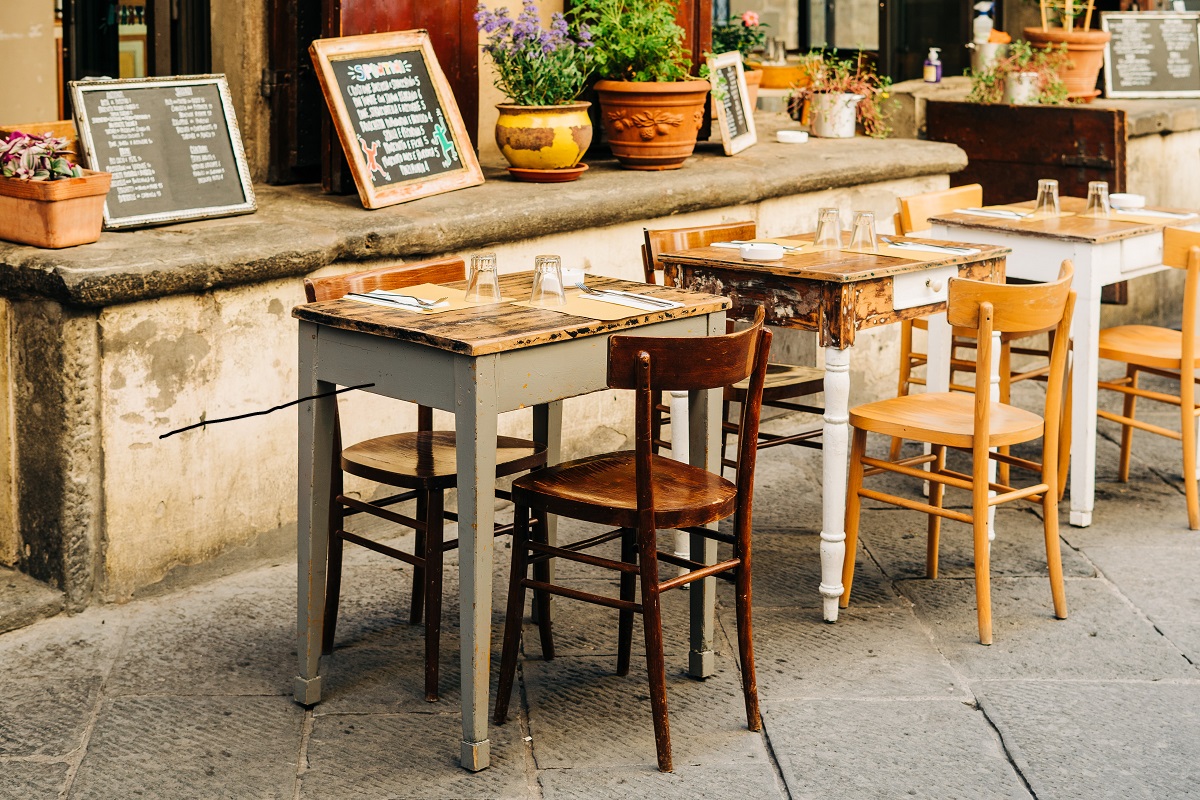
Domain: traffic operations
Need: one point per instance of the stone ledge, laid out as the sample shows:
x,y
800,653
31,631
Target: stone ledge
x,y
1150,117
298,229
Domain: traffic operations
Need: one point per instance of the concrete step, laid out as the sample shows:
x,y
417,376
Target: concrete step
x,y
24,601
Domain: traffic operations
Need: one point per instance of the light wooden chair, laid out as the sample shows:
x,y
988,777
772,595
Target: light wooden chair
x,y
640,493
1162,351
421,462
974,423
785,382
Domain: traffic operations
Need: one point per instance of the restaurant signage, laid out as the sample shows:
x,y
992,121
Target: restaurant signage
x,y
172,146
1152,54
735,115
395,116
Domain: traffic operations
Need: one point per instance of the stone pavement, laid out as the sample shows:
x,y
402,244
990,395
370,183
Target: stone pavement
x,y
189,695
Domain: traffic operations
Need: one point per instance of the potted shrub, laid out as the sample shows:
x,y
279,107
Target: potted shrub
x,y
45,200
1085,47
544,129
650,108
1025,76
841,94
743,36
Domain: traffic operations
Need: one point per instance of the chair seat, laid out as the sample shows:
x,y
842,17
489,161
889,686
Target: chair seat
x,y
1144,345
602,489
945,418
784,381
427,459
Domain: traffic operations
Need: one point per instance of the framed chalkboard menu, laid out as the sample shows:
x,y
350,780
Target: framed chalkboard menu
x,y
395,116
172,146
734,114
1152,54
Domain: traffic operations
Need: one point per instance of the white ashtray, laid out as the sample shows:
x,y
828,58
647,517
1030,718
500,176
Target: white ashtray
x,y
1126,200
761,251
791,137
572,276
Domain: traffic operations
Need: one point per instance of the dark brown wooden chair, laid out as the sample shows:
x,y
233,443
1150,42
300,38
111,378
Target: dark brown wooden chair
x,y
785,382
422,462
640,493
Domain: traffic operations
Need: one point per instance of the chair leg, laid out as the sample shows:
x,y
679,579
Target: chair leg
x,y
417,609
435,504
1188,430
1131,372
628,592
656,665
656,423
934,532
1004,471
333,571
1058,591
541,573
725,404
902,389
743,596
858,447
983,556
1064,437
514,616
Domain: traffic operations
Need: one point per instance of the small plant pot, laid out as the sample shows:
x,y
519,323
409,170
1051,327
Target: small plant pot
x,y
782,76
1085,48
543,137
54,214
652,125
833,114
984,55
1021,88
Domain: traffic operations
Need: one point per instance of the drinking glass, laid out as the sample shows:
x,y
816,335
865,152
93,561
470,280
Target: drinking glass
x,y
547,282
1047,197
862,236
484,283
829,229
1097,202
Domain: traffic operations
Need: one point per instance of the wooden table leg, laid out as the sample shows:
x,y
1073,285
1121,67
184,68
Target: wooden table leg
x,y
475,426
315,448
704,450
547,428
835,459
680,450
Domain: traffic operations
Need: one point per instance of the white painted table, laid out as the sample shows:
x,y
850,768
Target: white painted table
x,y
476,363
1104,251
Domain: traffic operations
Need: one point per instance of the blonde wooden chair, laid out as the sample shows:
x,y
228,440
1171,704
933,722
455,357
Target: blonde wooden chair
x,y
1162,351
974,423
785,382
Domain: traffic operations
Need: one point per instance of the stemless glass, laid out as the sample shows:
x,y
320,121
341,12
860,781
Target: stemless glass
x,y
1047,197
484,283
547,282
829,229
862,236
1097,201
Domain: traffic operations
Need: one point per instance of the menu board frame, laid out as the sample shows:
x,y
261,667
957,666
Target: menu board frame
x,y
718,69
1109,83
83,125
326,53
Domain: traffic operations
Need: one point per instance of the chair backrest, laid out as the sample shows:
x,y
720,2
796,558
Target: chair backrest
x,y
650,364
1017,308
1181,249
916,210
398,276
669,240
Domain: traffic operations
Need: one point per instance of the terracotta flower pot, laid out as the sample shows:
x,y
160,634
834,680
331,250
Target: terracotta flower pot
x,y
543,137
753,81
782,76
1085,48
54,214
652,125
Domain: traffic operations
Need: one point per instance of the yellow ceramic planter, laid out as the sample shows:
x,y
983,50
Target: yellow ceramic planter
x,y
543,137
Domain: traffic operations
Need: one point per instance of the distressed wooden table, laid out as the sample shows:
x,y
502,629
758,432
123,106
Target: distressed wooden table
x,y
477,363
836,294
1104,251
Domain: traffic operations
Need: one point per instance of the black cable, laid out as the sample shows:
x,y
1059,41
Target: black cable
x,y
203,423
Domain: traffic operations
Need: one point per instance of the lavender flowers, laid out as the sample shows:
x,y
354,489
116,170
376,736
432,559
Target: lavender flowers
x,y
535,66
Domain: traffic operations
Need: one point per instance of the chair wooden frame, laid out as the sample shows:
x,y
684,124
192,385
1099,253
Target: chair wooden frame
x,y
641,493
986,309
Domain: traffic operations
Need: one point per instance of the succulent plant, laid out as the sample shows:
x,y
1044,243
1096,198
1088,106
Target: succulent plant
x,y
36,158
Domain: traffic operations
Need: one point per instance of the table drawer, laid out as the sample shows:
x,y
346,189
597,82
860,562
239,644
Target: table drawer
x,y
922,288
1141,252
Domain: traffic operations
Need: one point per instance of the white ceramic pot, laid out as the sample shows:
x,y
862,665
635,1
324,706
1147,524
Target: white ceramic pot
x,y
1021,88
833,114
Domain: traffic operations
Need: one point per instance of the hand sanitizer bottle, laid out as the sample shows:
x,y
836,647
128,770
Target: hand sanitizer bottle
x,y
933,67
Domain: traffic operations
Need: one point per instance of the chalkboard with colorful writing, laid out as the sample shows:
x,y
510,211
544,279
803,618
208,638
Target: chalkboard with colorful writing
x,y
395,116
1152,54
171,144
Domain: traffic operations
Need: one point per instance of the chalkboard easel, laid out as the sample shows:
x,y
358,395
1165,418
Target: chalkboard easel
x,y
395,116
1152,54
731,101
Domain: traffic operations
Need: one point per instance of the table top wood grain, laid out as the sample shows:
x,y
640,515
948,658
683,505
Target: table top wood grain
x,y
1092,230
483,330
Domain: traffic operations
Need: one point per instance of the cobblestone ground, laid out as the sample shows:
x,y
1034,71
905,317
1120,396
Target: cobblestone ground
x,y
189,695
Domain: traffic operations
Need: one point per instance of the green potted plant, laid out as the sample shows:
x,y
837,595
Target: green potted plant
x,y
544,129
1025,76
45,199
651,109
841,94
1061,25
743,35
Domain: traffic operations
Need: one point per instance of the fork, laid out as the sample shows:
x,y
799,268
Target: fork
x,y
947,247
418,300
424,305
654,301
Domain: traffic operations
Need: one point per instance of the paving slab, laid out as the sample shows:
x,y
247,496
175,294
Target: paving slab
x,y
787,573
22,780
80,646
715,782
24,600
45,717
1089,740
888,749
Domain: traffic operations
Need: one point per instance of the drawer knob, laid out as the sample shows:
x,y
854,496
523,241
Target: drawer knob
x,y
935,284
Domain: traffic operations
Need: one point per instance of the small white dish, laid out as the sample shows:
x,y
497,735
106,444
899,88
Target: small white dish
x,y
791,137
761,251
1126,200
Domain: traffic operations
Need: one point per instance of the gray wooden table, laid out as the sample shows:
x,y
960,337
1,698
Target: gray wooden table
x,y
475,363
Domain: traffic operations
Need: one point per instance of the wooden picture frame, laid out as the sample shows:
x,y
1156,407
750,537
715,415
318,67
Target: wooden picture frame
x,y
734,115
167,168
1111,86
395,115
